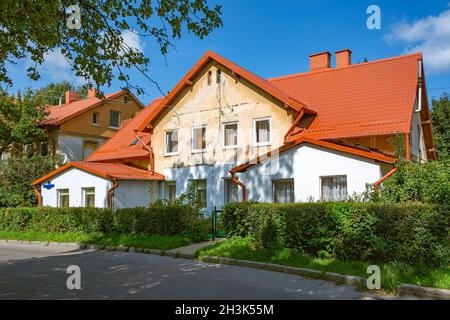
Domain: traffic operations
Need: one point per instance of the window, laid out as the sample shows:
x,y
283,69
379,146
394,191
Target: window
x,y
114,119
88,197
198,139
201,192
218,76
262,131
283,191
29,150
230,191
230,135
171,190
95,116
126,99
171,142
88,148
333,188
63,198
419,154
209,78
44,148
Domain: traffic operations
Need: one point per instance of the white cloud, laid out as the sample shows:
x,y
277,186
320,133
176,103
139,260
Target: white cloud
x,y
429,35
132,40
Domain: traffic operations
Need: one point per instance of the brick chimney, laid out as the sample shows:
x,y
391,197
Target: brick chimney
x,y
92,93
343,58
72,96
320,61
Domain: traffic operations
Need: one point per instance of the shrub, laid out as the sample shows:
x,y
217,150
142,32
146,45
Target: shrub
x,y
160,218
384,232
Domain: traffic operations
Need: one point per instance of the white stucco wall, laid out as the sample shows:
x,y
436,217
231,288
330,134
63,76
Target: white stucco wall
x,y
71,146
74,180
132,193
306,164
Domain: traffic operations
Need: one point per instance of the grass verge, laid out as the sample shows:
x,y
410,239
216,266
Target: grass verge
x,y
392,274
141,241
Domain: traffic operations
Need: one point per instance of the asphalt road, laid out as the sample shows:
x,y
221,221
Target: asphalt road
x,y
33,272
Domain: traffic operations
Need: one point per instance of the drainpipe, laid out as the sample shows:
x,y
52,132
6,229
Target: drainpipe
x,y
38,196
297,120
419,92
408,156
377,184
241,184
151,164
110,191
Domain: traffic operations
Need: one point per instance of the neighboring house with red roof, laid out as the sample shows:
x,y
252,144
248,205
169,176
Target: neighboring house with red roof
x,y
79,126
318,135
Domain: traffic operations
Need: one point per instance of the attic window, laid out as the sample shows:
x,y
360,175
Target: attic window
x,y
218,76
209,78
126,99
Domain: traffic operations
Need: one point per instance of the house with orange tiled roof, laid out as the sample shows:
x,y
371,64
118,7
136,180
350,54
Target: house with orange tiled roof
x,y
79,126
319,135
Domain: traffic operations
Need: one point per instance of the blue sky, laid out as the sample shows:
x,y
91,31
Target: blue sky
x,y
273,38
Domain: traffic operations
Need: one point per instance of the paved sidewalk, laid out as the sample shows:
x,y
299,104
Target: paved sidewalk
x,y
189,251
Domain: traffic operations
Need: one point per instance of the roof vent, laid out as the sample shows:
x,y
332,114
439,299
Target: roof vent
x,y
320,61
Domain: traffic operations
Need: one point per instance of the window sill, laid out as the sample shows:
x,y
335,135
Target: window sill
x,y
198,151
114,128
171,154
263,144
230,147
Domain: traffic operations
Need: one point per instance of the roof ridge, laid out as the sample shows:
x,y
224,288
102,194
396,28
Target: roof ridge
x,y
308,73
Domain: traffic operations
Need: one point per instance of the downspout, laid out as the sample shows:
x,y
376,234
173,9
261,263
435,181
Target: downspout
x,y
241,184
297,120
110,191
408,156
151,164
376,185
38,196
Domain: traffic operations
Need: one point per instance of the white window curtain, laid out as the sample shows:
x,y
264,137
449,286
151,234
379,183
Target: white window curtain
x,y
262,131
284,191
199,138
334,188
231,134
172,141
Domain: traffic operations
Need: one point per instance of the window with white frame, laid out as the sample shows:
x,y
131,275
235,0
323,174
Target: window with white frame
x,y
171,142
199,139
230,191
63,198
171,190
333,188
283,191
88,197
230,134
95,118
262,131
114,119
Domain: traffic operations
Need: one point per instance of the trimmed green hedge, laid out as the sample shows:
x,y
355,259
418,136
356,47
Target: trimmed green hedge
x,y
159,218
411,233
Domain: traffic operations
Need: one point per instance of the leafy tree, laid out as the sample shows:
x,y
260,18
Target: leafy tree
x,y
33,28
18,118
51,93
16,176
440,117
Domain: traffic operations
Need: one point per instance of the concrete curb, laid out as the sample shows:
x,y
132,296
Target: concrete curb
x,y
351,280
407,290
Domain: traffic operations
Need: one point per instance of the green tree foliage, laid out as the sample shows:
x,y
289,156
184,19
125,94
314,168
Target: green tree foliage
x,y
18,118
16,176
51,93
440,117
33,28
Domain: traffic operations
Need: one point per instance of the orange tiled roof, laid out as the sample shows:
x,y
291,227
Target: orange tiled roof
x,y
372,98
119,145
106,170
59,114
